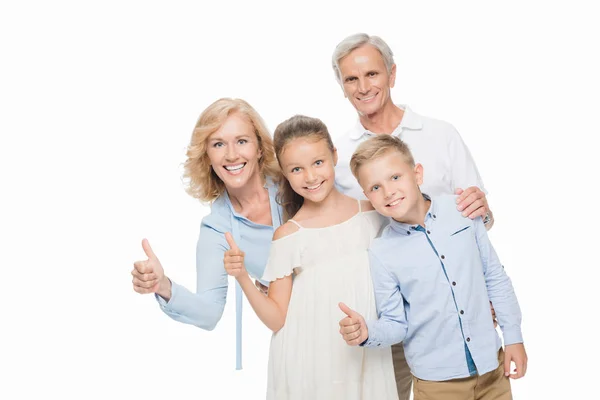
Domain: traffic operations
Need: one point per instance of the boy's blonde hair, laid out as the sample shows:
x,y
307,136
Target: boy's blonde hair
x,y
377,147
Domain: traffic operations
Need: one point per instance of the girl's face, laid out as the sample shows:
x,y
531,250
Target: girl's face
x,y
308,164
233,151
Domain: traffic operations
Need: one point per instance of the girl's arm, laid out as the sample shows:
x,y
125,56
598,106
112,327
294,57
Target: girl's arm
x,y
271,309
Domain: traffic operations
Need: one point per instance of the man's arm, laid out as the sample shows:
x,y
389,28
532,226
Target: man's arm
x,y
472,201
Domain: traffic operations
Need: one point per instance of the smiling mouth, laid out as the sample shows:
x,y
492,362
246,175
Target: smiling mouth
x,y
234,169
369,98
313,188
395,202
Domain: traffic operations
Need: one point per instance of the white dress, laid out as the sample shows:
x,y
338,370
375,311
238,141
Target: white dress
x,y
308,358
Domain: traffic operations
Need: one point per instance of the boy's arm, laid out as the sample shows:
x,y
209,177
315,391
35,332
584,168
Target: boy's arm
x,y
499,288
391,326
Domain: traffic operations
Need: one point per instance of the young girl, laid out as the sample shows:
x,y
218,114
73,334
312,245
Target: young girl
x,y
317,260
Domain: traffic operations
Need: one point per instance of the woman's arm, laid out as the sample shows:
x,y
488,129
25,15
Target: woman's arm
x,y
205,307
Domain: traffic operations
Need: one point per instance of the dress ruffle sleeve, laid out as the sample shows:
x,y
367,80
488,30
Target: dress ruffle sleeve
x,y
284,257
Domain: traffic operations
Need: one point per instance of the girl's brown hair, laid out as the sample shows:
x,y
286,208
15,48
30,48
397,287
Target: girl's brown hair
x,y
299,126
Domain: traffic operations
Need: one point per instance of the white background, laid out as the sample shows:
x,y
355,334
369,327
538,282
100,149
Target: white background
x,y
98,101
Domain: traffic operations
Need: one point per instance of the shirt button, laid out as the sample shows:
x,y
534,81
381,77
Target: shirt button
x,y
468,339
428,232
433,215
453,283
408,232
462,312
443,257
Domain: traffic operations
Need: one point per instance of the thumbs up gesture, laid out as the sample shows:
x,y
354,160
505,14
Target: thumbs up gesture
x,y
353,327
147,274
234,258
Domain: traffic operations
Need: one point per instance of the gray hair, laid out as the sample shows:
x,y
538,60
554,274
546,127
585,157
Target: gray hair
x,y
355,41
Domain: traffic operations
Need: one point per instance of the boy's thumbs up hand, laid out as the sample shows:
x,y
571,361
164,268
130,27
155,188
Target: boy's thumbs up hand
x,y
353,327
233,259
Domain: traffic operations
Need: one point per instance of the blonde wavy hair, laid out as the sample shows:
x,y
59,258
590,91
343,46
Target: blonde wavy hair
x,y
200,179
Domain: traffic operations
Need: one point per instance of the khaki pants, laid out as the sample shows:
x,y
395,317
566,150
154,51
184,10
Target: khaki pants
x,y
491,386
403,375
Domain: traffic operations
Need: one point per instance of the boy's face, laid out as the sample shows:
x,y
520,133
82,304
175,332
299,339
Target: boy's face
x,y
392,185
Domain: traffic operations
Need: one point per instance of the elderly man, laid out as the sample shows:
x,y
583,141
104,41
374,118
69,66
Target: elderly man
x,y
364,67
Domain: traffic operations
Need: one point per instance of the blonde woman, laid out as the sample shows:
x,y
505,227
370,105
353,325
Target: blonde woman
x,y
231,165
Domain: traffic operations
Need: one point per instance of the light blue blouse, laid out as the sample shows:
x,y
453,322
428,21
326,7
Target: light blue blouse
x,y
205,307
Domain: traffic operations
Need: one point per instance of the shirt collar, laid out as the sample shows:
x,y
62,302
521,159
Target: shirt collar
x,y
407,229
410,120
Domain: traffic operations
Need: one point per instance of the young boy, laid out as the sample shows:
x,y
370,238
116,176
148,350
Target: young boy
x,y
434,274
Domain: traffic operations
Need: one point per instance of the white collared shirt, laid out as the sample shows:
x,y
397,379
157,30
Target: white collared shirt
x,y
447,162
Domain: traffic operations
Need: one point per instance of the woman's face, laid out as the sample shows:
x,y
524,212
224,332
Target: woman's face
x,y
234,152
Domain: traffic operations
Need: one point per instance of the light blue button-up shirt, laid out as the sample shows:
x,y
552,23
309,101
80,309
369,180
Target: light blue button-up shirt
x,y
432,287
205,307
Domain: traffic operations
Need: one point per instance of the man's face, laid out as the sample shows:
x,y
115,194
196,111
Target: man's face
x,y
392,185
365,80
